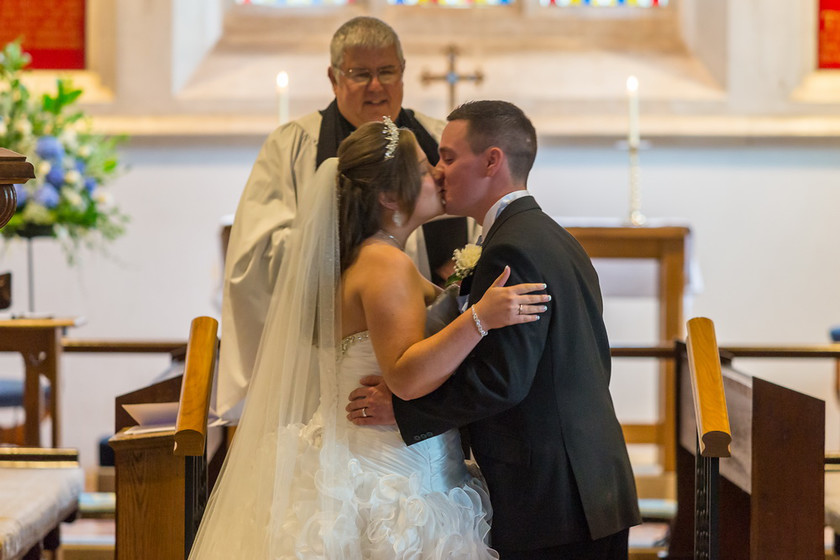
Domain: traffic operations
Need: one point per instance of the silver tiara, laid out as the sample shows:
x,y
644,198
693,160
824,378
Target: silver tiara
x,y
393,134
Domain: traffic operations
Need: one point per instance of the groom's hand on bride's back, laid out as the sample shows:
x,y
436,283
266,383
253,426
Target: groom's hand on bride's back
x,y
370,404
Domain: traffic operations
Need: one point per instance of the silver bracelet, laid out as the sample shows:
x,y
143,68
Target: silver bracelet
x,y
481,330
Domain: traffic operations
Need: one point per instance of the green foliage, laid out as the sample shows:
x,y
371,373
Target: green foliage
x,y
68,199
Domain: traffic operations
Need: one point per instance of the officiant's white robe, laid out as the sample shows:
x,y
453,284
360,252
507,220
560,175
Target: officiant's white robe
x,y
258,237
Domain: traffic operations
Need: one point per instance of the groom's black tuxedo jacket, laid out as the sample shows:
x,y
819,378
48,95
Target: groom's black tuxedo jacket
x,y
535,398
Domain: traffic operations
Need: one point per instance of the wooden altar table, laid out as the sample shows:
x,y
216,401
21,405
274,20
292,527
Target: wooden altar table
x,y
39,342
667,246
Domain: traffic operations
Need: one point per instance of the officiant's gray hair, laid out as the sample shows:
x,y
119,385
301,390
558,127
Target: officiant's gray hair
x,y
367,32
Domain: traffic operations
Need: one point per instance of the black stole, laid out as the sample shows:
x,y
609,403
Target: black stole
x,y
442,236
335,128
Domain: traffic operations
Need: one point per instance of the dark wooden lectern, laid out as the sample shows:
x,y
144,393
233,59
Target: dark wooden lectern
x,y
13,169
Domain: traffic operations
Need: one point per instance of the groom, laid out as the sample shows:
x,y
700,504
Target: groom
x,y
534,398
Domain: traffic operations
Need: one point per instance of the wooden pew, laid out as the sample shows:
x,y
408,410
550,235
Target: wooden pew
x,y
161,478
832,458
39,489
771,488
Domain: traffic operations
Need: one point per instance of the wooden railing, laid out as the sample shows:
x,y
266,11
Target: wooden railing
x,y
707,389
194,404
115,346
713,433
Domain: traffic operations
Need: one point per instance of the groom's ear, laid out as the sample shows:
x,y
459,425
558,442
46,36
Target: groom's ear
x,y
494,159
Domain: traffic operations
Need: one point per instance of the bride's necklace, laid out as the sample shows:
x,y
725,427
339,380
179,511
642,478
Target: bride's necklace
x,y
384,235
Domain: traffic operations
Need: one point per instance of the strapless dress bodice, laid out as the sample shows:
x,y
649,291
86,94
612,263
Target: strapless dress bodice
x,y
437,461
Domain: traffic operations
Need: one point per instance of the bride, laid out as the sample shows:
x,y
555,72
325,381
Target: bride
x,y
300,480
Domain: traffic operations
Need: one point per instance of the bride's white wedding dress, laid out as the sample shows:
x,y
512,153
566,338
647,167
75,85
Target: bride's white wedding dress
x,y
301,481
417,502
385,500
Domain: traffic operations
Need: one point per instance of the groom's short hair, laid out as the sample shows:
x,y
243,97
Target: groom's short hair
x,y
504,125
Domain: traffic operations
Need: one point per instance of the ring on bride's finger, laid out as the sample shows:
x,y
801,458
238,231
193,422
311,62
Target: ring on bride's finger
x,y
364,412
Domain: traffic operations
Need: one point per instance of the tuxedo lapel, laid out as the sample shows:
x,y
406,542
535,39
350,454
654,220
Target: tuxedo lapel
x,y
520,205
523,204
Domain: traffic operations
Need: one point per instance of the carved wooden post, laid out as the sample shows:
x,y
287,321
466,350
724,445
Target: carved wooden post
x,y
13,169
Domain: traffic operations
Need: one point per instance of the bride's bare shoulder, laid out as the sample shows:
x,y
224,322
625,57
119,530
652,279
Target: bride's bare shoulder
x,y
378,262
381,255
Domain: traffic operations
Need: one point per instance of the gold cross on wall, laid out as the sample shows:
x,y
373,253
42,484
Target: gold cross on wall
x,y
451,77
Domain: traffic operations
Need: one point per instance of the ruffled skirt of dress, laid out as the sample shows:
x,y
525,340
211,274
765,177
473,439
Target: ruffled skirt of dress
x,y
344,512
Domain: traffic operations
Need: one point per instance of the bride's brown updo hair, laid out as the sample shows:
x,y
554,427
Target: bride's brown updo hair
x,y
364,173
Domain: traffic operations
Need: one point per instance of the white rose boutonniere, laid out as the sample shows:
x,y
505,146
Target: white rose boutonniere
x,y
465,261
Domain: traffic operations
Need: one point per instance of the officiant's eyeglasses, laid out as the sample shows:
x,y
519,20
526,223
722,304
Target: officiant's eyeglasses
x,y
386,75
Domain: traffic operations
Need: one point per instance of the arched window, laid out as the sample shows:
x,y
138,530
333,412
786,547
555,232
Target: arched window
x,y
450,3
465,3
605,3
295,3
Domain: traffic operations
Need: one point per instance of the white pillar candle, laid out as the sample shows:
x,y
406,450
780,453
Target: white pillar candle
x,y
283,97
633,102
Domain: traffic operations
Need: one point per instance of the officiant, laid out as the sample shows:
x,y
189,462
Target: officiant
x,y
366,73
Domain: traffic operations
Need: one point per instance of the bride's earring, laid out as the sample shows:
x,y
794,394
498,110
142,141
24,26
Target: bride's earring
x,y
398,219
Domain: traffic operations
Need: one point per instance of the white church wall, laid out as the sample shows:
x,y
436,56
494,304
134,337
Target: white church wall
x,y
771,51
143,61
764,222
704,27
101,39
197,25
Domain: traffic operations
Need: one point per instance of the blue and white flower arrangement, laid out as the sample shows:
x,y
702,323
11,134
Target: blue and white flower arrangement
x,y
68,199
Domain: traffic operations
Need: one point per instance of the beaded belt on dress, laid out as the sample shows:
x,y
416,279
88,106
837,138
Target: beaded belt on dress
x,y
352,339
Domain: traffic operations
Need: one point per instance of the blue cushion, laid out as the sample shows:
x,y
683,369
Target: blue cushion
x,y
835,333
106,453
11,392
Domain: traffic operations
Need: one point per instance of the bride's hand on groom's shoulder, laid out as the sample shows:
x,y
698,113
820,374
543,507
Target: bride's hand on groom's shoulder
x,y
501,305
370,404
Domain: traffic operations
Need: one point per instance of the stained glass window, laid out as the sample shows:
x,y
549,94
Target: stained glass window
x,y
606,3
450,3
282,3
466,3
53,31
828,38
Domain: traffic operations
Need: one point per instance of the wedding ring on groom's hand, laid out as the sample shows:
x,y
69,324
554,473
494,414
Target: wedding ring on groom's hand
x,y
520,309
364,412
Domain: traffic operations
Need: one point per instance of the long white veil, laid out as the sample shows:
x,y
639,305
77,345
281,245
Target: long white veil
x,y
250,511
